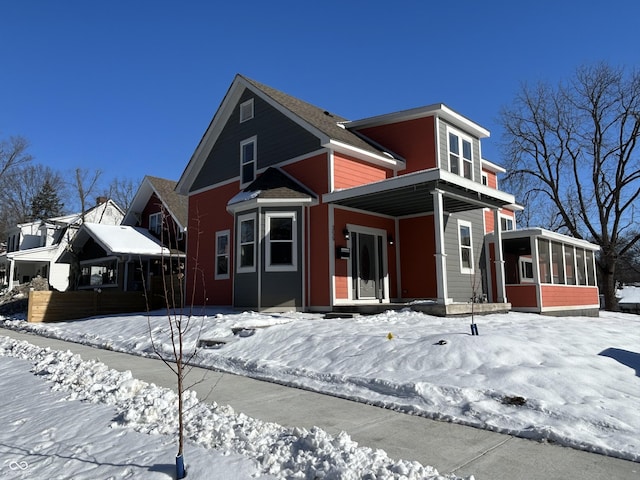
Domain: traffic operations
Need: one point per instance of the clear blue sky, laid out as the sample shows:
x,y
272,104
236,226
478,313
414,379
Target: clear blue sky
x,y
130,86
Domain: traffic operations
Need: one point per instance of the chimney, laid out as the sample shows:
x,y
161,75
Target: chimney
x,y
101,200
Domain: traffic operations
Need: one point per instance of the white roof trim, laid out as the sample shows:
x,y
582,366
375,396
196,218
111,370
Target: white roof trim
x,y
387,162
436,110
560,237
492,167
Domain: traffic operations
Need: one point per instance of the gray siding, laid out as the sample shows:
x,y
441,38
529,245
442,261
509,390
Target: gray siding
x,y
279,289
461,284
443,157
279,139
282,289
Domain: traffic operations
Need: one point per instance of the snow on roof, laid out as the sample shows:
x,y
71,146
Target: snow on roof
x,y
124,239
243,197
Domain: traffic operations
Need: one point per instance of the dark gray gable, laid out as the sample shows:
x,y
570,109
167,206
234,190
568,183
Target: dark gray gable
x,y
278,139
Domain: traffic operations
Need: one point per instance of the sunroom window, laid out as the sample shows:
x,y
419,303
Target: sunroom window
x,y
246,243
222,255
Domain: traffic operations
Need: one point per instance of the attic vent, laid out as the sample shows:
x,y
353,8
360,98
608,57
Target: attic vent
x,y
327,114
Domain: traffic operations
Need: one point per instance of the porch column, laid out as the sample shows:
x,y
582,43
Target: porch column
x,y
501,292
440,254
12,265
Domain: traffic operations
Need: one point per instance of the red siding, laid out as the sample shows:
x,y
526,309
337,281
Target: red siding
x,y
492,179
311,172
208,215
523,295
348,172
344,217
417,262
154,205
568,296
414,140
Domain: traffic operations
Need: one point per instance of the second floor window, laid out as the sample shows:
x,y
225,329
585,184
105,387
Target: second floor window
x,y
460,156
155,223
248,152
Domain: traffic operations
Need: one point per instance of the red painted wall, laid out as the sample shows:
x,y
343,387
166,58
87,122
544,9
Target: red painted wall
x,y
523,295
311,172
208,215
349,172
417,261
569,295
344,217
154,205
414,140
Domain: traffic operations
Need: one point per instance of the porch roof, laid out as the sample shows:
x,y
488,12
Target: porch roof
x,y
410,194
518,235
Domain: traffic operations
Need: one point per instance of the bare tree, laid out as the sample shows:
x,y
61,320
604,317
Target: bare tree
x,y
571,148
86,185
13,154
122,191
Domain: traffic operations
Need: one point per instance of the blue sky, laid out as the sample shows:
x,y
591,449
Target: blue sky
x,y
129,87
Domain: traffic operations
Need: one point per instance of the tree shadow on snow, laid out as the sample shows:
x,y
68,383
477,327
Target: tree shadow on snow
x,y
625,357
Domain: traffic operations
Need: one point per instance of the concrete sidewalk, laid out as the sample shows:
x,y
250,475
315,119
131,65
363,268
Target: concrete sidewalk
x,y
448,447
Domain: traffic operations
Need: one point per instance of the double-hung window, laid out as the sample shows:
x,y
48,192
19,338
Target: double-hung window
x,y
246,261
248,157
466,246
460,155
281,241
222,255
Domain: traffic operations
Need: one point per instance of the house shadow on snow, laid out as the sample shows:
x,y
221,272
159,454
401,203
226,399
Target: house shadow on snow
x,y
625,357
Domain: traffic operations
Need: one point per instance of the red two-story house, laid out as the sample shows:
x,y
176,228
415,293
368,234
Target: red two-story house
x,y
294,207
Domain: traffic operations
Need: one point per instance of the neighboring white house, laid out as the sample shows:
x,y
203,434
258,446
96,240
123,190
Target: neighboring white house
x,y
34,247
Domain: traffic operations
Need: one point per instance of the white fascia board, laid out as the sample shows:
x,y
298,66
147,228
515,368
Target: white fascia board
x,y
255,203
383,185
477,187
436,109
548,234
492,167
211,135
382,161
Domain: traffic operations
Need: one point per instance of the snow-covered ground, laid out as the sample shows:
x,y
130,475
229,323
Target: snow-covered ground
x,y
572,380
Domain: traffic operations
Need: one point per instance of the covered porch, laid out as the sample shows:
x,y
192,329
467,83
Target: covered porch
x,y
444,198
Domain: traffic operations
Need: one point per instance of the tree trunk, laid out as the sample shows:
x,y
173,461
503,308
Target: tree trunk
x,y
608,283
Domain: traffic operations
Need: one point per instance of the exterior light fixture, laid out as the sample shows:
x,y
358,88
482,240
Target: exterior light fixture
x,y
390,239
345,232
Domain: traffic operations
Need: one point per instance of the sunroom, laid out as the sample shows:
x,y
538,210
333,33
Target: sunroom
x,y
551,273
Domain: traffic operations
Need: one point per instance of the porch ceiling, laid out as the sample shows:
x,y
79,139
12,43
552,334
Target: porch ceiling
x,y
412,194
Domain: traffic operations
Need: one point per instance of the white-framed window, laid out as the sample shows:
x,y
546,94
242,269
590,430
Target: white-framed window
x,y
460,155
155,223
506,223
246,110
281,242
465,246
248,157
246,248
526,269
222,255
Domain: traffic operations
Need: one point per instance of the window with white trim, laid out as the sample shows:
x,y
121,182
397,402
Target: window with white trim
x,y
281,242
248,154
155,223
246,261
460,155
465,246
95,274
526,269
222,255
506,223
246,110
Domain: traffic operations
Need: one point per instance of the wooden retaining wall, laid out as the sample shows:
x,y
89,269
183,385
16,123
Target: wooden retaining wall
x,y
52,306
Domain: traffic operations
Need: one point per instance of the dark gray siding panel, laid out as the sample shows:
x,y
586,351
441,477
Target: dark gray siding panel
x,y
461,285
283,289
245,285
279,139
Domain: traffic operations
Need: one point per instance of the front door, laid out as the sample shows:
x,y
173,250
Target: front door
x,y
367,267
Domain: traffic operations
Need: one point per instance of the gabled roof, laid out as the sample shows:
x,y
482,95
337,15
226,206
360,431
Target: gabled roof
x,y
175,203
273,185
120,240
325,125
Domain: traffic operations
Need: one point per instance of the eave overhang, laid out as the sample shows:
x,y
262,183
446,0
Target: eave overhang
x,y
411,194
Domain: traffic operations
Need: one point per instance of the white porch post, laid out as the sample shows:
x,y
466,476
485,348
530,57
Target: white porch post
x,y
501,291
441,256
12,265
